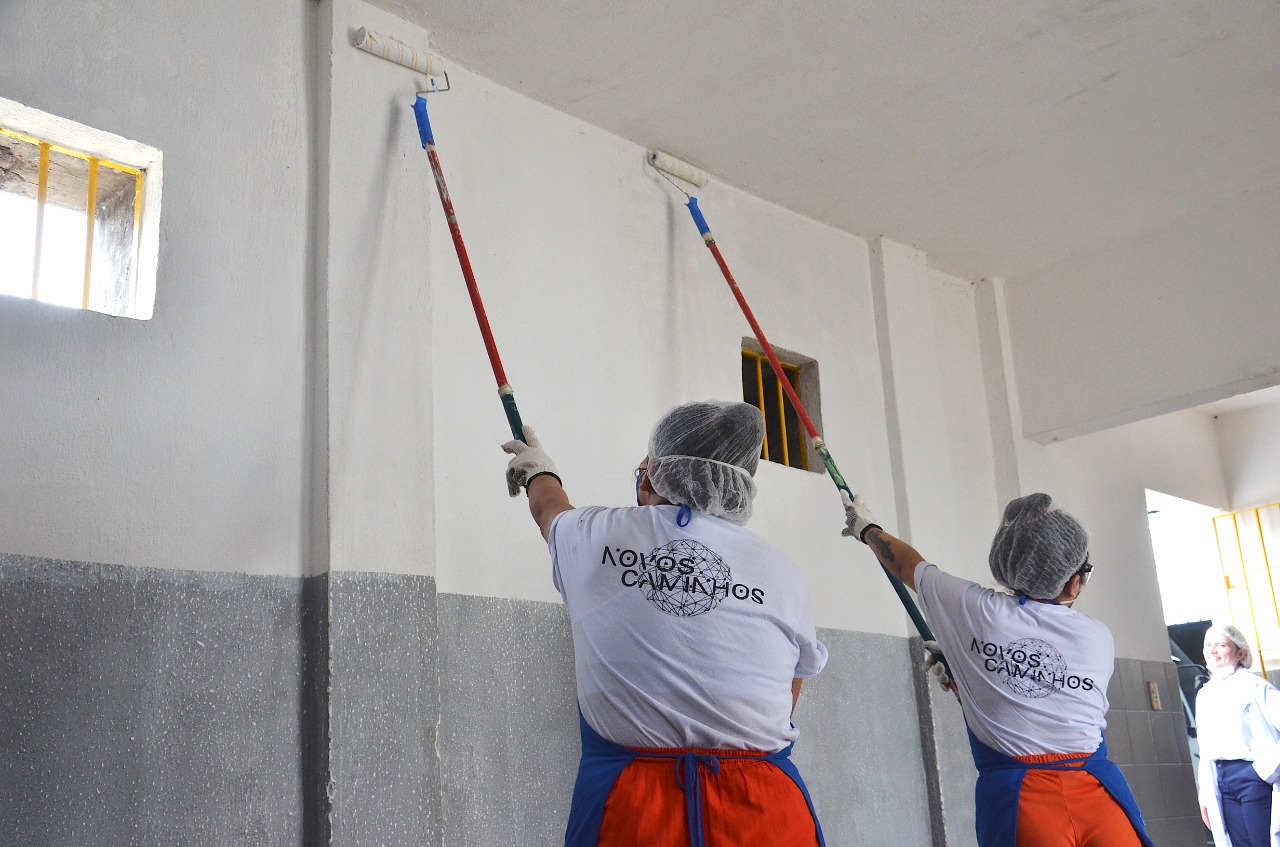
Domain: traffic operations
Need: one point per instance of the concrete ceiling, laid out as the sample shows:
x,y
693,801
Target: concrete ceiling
x,y
1003,138
999,137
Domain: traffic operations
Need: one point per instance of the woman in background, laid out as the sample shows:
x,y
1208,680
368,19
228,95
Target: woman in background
x,y
1238,726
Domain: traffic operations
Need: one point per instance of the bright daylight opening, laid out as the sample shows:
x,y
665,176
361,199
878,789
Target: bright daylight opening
x,y
79,214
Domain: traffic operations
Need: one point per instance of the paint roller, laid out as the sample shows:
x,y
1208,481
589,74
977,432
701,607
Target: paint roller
x,y
680,170
394,50
669,166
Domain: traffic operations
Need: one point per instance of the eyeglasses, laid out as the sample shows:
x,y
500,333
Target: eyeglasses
x,y
1084,572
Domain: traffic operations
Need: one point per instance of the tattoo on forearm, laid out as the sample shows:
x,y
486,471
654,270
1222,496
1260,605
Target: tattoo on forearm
x,y
881,545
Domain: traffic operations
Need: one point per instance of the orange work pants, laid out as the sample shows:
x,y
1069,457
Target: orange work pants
x,y
748,803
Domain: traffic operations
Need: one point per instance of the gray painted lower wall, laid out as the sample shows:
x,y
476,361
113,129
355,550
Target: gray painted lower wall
x,y
509,725
159,707
384,708
859,747
148,707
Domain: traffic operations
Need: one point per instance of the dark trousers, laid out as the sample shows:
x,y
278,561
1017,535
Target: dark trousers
x,y
1246,803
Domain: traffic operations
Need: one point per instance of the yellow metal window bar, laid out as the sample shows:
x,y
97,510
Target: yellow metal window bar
x,y
762,388
91,203
1246,539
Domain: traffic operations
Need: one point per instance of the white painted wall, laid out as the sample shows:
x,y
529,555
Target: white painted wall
x,y
1249,441
608,309
382,344
178,441
184,441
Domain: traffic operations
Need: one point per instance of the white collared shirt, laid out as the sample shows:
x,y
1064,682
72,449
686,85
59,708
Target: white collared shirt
x,y
1238,717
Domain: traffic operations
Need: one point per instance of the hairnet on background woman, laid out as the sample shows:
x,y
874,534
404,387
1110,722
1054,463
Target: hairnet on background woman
x,y
1238,727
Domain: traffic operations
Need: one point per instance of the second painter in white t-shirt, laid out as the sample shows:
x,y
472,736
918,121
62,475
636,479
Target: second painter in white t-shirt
x,y
1032,675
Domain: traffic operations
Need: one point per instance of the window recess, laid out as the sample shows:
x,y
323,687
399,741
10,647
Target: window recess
x,y
79,213
786,442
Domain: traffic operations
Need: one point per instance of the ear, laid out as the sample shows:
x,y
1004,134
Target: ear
x,y
1071,591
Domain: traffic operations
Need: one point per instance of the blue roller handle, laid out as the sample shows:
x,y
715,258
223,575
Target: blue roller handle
x,y
424,124
699,221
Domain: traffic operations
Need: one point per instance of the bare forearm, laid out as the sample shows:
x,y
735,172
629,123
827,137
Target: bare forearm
x,y
546,500
898,557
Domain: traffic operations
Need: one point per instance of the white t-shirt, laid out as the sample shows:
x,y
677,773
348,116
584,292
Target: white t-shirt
x,y
682,636
1032,678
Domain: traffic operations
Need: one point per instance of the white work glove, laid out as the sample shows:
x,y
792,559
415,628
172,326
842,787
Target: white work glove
x,y
527,461
857,517
933,663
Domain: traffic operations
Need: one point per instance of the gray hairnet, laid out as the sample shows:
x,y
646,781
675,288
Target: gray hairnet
x,y
1238,639
703,455
1037,548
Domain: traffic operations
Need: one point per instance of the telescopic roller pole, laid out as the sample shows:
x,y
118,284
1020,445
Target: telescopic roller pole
x,y
505,391
818,444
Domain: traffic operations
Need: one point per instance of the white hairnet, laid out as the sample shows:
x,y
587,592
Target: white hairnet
x,y
1237,638
1037,548
703,455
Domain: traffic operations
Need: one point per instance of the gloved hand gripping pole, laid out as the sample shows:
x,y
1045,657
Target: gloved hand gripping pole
x,y
505,391
818,444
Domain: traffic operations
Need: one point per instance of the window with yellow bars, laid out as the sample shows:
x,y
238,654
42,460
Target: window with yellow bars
x,y
71,216
785,440
1249,550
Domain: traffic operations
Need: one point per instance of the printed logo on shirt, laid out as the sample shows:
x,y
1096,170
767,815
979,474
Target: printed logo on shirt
x,y
1029,667
684,578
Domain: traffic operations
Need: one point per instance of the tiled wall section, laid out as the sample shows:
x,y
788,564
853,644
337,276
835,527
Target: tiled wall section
x,y
1151,748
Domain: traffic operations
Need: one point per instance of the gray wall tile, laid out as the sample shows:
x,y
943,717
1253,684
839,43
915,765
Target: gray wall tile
x,y
1178,786
1141,740
1119,750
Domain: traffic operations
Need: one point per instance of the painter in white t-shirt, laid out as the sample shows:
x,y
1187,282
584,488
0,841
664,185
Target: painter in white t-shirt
x,y
1032,676
683,636
691,638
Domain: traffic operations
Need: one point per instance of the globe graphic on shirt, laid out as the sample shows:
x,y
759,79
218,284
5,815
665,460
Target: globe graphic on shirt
x,y
685,595
1033,679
